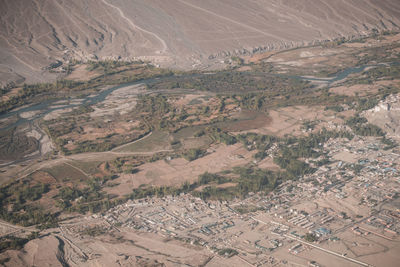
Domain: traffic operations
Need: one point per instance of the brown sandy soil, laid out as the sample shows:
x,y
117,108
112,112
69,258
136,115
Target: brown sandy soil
x,y
29,114
93,133
350,206
81,73
357,45
289,120
313,57
258,57
63,175
191,30
360,245
378,234
225,262
373,249
177,171
39,252
184,101
390,258
4,230
123,248
347,113
186,254
362,89
226,185
120,101
247,120
196,142
268,163
46,201
346,156
374,42
111,119
244,68
386,115
154,141
43,177
322,258
66,173
13,92
6,121
56,114
390,39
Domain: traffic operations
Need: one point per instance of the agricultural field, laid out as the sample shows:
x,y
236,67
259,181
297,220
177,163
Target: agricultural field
x,y
294,124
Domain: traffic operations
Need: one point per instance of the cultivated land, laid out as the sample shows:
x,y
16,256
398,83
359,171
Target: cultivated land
x,y
284,159
194,34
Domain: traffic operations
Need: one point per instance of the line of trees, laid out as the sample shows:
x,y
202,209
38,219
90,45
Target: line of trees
x,y
360,126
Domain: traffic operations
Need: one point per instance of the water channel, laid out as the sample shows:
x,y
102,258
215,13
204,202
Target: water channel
x,y
56,104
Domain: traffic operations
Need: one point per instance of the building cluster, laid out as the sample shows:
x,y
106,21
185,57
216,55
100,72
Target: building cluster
x,y
357,193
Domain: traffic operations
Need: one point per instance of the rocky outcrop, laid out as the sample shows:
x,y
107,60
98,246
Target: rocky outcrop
x,y
386,115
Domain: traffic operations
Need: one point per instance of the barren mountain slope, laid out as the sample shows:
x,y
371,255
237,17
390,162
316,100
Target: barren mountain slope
x,y
387,116
174,33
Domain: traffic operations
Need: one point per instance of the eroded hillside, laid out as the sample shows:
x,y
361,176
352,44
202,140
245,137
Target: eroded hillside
x,y
176,33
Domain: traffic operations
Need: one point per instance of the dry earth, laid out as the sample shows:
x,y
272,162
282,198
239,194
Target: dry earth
x,y
177,171
289,120
386,115
176,33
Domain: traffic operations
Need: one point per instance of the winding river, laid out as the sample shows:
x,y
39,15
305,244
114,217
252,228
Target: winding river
x,y
44,108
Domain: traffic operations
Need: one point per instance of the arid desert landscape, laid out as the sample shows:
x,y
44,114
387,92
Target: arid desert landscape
x,y
181,34
200,133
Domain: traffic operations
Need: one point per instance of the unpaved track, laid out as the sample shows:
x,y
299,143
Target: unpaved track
x,y
177,33
134,26
87,157
78,169
128,144
16,228
233,21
